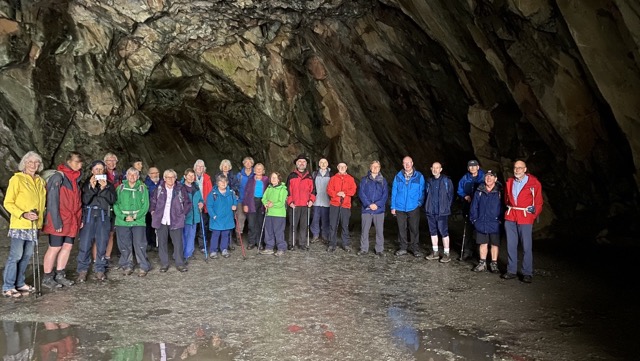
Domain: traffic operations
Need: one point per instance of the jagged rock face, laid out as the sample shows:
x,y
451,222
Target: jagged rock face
x,y
174,81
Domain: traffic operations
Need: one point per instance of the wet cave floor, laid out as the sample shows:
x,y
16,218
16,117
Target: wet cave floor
x,y
313,305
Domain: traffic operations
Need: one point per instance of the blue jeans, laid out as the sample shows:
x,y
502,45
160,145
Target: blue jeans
x,y
19,254
188,238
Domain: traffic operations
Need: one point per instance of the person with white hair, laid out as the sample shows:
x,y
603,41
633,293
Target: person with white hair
x,y
203,180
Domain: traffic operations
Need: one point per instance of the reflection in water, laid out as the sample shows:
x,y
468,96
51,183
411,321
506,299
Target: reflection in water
x,y
48,341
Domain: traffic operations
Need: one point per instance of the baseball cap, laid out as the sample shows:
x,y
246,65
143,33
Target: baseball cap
x,y
490,172
472,163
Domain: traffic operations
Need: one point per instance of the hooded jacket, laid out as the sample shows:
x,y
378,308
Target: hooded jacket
x,y
193,192
341,183
530,195
132,201
249,190
180,205
64,205
439,196
24,194
301,189
98,200
486,209
373,191
220,213
468,184
278,196
407,195
320,183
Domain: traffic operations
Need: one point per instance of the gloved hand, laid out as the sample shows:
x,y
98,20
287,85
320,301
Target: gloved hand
x,y
531,209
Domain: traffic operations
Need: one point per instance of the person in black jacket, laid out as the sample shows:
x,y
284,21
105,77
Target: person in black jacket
x,y
98,195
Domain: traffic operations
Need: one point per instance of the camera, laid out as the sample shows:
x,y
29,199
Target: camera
x,y
34,211
100,177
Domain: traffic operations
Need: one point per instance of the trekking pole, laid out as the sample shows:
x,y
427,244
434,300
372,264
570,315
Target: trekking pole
x,y
464,237
308,222
204,239
264,220
36,261
239,234
293,227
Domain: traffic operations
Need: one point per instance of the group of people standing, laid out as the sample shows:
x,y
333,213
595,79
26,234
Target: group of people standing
x,y
197,210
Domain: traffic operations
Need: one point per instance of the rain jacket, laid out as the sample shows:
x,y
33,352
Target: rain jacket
x,y
341,183
486,209
249,191
220,212
132,201
97,200
180,205
150,185
207,186
301,189
23,195
193,192
373,190
407,195
241,179
468,184
439,196
64,205
278,196
530,195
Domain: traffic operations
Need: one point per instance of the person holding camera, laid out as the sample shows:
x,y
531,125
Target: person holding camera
x,y
98,195
24,200
523,197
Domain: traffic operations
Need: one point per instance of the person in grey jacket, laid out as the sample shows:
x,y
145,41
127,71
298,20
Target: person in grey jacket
x,y
320,223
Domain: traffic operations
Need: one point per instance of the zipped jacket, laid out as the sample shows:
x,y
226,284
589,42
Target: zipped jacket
x,y
241,179
468,184
25,194
373,191
530,195
486,209
220,213
278,196
439,196
98,200
131,201
341,183
301,189
250,189
407,195
64,205
193,192
180,205
320,183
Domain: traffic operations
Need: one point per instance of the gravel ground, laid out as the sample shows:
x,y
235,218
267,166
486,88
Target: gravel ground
x,y
319,306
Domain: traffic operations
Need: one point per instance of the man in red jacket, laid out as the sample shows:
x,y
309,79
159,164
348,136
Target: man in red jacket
x,y
523,197
340,189
301,197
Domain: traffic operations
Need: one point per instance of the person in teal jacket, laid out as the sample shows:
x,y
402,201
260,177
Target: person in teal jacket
x,y
274,200
221,203
193,217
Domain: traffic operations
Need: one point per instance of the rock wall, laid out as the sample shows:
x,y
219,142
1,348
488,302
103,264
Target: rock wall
x,y
172,81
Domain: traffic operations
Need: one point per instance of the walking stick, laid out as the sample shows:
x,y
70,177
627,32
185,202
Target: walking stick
x,y
293,227
464,237
264,220
35,265
239,234
308,221
204,239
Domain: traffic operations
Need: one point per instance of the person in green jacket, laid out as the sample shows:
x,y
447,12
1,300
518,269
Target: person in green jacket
x,y
130,210
274,199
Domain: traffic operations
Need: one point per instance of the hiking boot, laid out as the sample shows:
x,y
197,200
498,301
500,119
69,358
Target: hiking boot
x,y
433,256
290,247
50,283
418,254
280,253
164,269
127,271
315,239
347,249
250,247
182,268
508,276
493,267
481,267
331,249
527,279
100,276
362,252
82,277
142,273
303,248
232,247
267,252
225,253
380,254
401,252
466,255
62,279
445,258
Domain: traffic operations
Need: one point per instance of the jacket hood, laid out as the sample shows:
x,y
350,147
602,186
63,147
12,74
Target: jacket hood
x,y
379,178
73,175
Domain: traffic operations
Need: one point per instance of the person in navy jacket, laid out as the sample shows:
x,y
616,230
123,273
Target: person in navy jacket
x,y
485,213
373,194
439,196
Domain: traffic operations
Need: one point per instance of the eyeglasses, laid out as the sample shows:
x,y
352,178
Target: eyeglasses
x,y
519,168
169,177
34,162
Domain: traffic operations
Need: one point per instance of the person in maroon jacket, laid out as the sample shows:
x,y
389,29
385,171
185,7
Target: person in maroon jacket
x,y
523,197
301,197
63,219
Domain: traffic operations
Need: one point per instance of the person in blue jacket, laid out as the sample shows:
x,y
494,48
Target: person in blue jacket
x,y
373,194
194,216
484,214
407,196
221,203
439,196
466,189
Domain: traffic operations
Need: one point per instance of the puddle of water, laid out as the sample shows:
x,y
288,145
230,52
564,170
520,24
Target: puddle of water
x,y
59,341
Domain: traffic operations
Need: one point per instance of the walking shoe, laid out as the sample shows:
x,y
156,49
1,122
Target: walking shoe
x,y
290,247
232,247
508,276
362,252
213,255
445,258
100,276
62,279
331,249
418,254
433,256
401,252
268,252
527,279
347,249
82,277
481,267
315,239
493,267
164,269
127,271
142,273
466,255
50,283
182,268
304,248
250,247
279,253
380,254
225,253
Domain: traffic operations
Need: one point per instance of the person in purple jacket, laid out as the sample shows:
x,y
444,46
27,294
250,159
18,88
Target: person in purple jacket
x,y
373,194
252,203
169,205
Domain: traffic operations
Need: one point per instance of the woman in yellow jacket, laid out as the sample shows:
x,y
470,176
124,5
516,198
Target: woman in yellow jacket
x,y
25,201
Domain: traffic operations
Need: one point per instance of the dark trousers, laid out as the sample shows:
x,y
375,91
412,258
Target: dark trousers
x,y
163,245
298,221
517,233
339,216
151,232
205,219
132,240
411,221
274,233
469,244
255,222
97,225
